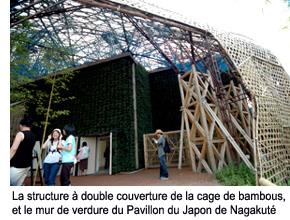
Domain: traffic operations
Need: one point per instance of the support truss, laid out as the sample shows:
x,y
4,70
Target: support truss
x,y
208,139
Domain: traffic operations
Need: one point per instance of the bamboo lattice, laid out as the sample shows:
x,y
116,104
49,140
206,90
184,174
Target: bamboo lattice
x,y
172,159
270,85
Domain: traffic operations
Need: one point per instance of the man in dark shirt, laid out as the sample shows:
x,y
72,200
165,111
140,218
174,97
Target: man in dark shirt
x,y
21,152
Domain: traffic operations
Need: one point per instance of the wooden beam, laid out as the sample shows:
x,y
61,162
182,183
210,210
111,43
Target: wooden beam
x,y
203,120
229,137
192,156
122,8
181,142
241,130
145,151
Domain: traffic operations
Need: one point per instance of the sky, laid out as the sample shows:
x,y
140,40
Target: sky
x,y
263,21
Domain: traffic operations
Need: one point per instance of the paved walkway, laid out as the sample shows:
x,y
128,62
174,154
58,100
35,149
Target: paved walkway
x,y
147,177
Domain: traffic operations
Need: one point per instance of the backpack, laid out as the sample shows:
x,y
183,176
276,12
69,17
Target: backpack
x,y
166,147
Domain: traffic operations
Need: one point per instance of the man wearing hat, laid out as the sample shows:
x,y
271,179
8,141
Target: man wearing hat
x,y
161,154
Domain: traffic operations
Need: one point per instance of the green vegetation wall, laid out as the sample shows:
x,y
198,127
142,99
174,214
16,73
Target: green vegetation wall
x,y
104,102
144,112
165,100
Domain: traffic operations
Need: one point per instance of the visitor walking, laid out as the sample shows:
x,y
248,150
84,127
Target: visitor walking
x,y
21,152
161,154
83,158
107,157
68,154
52,161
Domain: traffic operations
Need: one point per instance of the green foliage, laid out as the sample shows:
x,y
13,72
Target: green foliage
x,y
19,52
19,60
103,103
285,183
38,95
29,61
16,113
234,175
144,113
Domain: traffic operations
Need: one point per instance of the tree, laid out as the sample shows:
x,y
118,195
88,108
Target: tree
x,y
28,62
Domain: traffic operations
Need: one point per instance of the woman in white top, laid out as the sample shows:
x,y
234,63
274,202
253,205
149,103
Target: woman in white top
x,y
52,161
83,159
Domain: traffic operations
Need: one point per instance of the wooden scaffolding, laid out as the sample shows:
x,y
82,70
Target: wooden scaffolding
x,y
211,144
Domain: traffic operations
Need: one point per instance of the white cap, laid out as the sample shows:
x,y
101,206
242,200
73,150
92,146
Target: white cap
x,y
57,129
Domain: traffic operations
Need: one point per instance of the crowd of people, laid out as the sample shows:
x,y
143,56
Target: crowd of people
x,y
60,154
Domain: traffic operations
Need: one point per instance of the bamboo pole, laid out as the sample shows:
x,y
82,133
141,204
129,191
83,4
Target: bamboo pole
x,y
45,126
255,139
181,142
208,144
122,8
265,182
229,137
192,155
111,153
145,151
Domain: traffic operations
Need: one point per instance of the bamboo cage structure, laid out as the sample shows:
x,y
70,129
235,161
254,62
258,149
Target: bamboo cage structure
x,y
209,140
235,94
